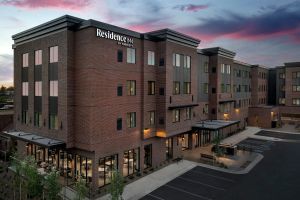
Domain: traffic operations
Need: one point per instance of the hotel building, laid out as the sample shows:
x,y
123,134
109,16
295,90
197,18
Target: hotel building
x,y
91,97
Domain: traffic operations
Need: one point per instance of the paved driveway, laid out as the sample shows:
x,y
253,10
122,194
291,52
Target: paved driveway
x,y
276,177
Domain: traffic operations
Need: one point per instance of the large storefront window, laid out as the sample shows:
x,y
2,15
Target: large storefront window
x,y
148,156
131,161
106,166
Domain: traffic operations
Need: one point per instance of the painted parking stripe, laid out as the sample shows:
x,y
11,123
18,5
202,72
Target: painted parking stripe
x,y
190,193
217,177
155,197
201,183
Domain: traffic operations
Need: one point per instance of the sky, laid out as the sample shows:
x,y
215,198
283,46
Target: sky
x,y
265,32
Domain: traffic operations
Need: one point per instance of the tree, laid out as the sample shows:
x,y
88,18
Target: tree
x,y
81,189
116,185
219,151
52,185
2,89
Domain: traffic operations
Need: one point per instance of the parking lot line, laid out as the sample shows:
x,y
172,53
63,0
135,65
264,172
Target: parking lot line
x,y
190,193
217,177
155,197
204,184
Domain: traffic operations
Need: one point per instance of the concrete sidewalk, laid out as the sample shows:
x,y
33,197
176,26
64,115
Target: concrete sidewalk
x,y
149,183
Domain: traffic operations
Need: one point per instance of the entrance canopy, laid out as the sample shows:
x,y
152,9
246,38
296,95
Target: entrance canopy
x,y
213,124
36,139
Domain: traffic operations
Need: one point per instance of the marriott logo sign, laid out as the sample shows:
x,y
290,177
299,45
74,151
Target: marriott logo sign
x,y
121,39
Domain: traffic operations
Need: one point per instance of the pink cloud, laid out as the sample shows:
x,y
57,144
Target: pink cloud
x,y
36,4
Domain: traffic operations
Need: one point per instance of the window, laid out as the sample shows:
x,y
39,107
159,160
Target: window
x,y
296,102
120,55
53,54
205,109
25,60
151,87
25,117
120,90
131,88
206,67
187,62
38,88
148,156
151,118
282,75
187,87
119,124
296,74
161,62
161,91
38,57
130,55
281,101
105,169
205,88
228,69
223,68
176,60
53,122
131,161
176,115
296,88
188,113
223,88
176,87
131,120
151,58
37,119
53,88
213,90
228,88
24,88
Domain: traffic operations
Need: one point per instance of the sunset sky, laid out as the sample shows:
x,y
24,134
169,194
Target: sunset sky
x,y
260,31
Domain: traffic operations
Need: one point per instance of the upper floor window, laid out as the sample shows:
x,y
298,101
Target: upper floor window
x,y
25,60
228,69
151,87
281,101
38,57
206,67
130,55
131,88
176,115
151,118
120,55
53,85
119,90
131,120
53,122
205,88
176,87
54,54
119,124
187,88
151,58
188,113
296,74
205,109
296,102
187,62
223,68
24,88
282,75
38,88
176,60
296,88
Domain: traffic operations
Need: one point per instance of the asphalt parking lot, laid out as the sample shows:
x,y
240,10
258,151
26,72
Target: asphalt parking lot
x,y
280,135
255,145
276,177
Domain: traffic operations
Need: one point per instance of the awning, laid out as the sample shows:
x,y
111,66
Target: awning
x,y
36,139
213,124
182,106
226,101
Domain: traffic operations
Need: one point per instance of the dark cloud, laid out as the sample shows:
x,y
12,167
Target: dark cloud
x,y
35,4
191,7
284,20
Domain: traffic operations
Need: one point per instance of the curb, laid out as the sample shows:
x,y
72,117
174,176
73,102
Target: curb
x,y
258,158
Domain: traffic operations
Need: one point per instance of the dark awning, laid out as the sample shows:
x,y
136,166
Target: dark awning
x,y
226,101
182,106
213,124
36,139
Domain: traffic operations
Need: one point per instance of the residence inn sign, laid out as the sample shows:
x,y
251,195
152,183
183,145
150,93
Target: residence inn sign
x,y
121,39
